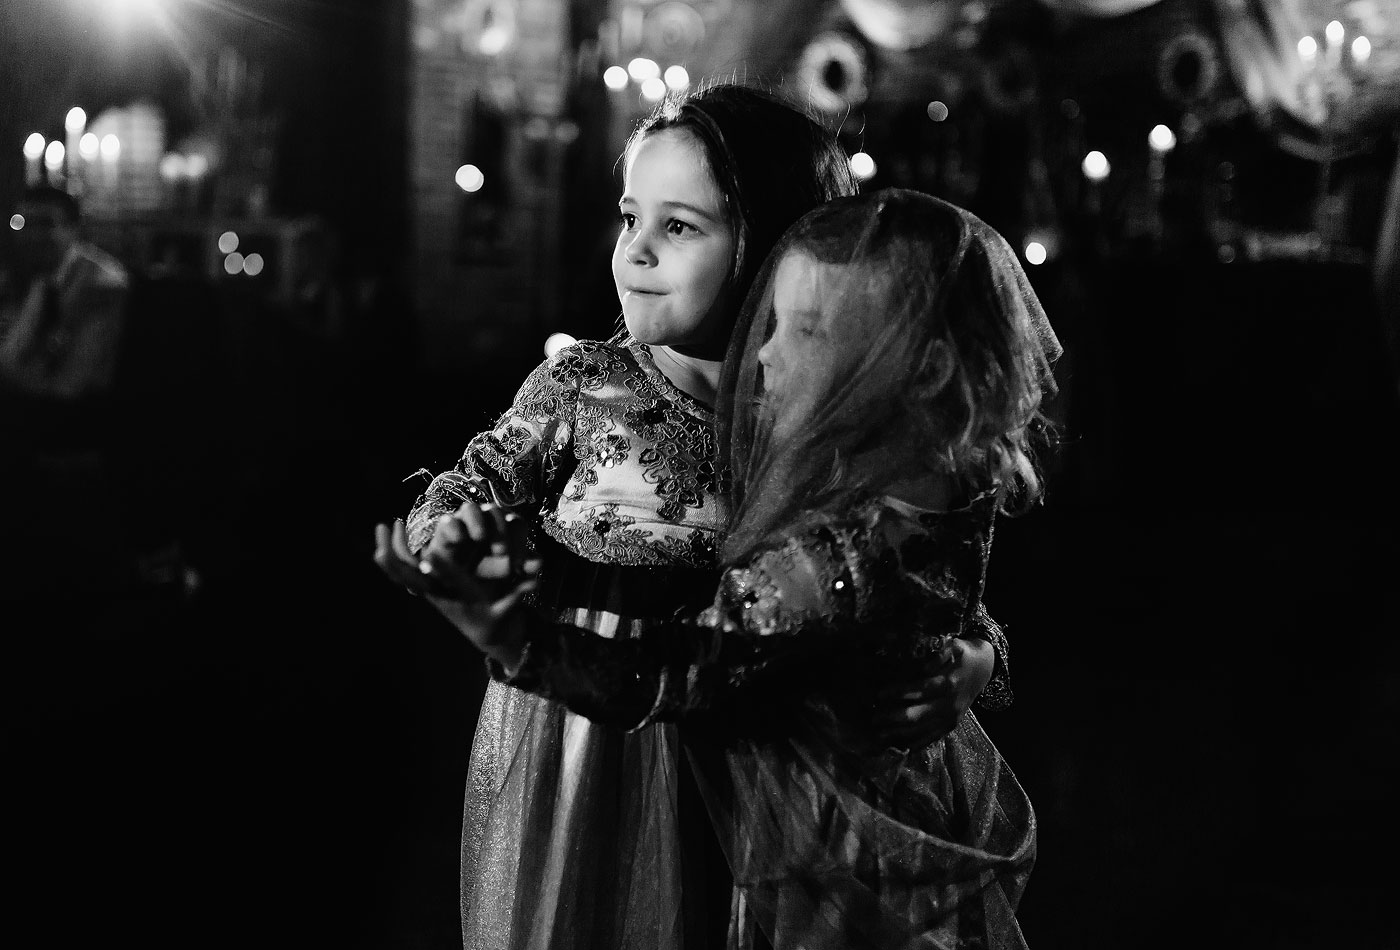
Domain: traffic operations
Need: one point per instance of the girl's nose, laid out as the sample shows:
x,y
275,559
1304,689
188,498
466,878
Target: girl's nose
x,y
639,251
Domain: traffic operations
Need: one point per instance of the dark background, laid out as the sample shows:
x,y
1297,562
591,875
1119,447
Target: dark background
x,y
1202,615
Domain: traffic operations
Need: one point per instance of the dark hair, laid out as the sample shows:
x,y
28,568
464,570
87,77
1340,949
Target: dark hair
x,y
55,198
772,160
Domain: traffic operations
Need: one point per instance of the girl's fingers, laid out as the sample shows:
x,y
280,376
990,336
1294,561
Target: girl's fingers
x,y
474,520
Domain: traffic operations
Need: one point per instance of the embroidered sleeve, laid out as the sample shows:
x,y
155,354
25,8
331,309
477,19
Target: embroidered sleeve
x,y
997,694
522,459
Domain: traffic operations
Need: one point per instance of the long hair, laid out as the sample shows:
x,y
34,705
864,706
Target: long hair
x,y
939,361
772,161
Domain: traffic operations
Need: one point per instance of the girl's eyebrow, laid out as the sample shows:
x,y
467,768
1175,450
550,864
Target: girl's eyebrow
x,y
678,205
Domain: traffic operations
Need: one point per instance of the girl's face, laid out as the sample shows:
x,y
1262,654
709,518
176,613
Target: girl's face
x,y
802,343
676,247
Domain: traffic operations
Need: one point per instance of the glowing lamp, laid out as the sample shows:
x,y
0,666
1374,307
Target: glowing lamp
x,y
615,77
1095,166
677,78
862,166
641,69
469,178
653,89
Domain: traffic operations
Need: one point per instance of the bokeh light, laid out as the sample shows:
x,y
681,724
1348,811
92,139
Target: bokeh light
x,y
937,111
1307,48
1336,32
111,146
677,78
615,77
196,165
89,145
1361,50
1035,252
556,342
1096,166
653,89
75,120
53,155
253,264
233,263
641,69
228,242
34,146
173,166
1161,138
469,178
16,222
862,166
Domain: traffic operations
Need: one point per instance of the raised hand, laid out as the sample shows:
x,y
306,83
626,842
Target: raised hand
x,y
472,571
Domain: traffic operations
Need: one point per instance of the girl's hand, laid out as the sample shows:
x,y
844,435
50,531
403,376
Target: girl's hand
x,y
476,591
915,714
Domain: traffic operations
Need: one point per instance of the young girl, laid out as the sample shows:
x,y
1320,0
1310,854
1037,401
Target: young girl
x,y
884,393
610,451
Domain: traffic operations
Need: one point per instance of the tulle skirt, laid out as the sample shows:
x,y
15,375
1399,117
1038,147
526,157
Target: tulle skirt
x,y
580,835
925,851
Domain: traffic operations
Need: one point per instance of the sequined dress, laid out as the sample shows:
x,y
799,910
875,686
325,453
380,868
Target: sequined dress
x,y
578,834
836,842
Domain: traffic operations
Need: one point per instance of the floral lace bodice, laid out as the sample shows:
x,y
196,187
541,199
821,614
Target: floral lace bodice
x,y
620,464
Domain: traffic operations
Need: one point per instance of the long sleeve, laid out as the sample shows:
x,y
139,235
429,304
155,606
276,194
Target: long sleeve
x,y
820,623
519,461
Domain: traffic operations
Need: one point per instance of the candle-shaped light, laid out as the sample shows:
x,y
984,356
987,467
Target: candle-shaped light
x,y
1336,34
74,125
53,162
1161,139
1307,50
33,158
1360,51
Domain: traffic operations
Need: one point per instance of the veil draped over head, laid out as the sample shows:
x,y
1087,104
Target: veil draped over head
x,y
940,356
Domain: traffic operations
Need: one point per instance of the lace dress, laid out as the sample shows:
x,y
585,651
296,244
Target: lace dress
x,y
834,840
576,833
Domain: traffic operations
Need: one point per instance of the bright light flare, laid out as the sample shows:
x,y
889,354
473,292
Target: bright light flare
x,y
89,145
34,146
556,342
76,120
653,89
1096,166
1361,50
862,166
1161,138
677,78
615,77
1335,33
1307,49
111,147
469,178
641,69
1035,253
53,156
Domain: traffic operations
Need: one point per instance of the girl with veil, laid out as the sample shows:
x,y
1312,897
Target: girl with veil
x,y
880,406
610,454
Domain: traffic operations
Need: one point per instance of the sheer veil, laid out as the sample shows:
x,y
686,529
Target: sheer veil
x,y
941,358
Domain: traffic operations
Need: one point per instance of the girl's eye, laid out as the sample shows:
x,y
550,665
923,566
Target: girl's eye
x,y
678,227
628,219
